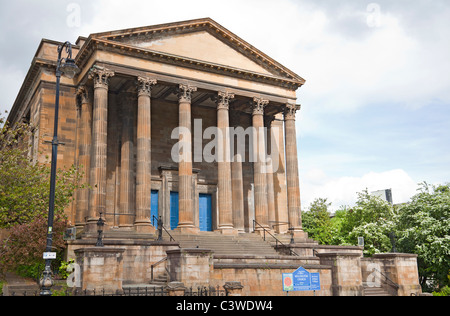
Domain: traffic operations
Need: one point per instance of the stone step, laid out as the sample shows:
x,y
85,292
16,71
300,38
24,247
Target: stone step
x,y
375,291
242,244
21,290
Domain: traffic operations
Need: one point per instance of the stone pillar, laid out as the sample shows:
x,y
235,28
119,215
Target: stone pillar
x,y
144,156
346,275
186,211
97,199
225,202
402,269
84,156
101,269
193,267
175,289
259,166
237,181
292,174
270,188
233,288
279,177
127,183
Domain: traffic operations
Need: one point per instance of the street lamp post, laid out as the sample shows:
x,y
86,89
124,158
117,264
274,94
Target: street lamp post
x,y
67,67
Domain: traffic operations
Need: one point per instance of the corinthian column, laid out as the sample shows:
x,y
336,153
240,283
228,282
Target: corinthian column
x,y
127,183
97,202
237,181
144,156
270,185
259,166
224,166
186,210
84,157
292,174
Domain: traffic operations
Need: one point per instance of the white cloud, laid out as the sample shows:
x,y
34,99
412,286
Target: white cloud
x,y
343,191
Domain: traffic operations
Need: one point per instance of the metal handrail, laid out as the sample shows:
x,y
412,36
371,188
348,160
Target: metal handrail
x,y
395,285
161,227
155,265
292,252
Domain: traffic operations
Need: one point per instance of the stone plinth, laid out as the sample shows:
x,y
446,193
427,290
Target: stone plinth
x,y
233,288
176,289
345,271
101,269
193,267
402,269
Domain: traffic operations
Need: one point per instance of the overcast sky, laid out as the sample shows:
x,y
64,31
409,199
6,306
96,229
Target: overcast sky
x,y
376,105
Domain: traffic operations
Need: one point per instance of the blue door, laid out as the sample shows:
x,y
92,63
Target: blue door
x,y
205,212
154,211
173,210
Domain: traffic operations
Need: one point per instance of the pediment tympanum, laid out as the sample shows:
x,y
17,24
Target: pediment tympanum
x,y
201,41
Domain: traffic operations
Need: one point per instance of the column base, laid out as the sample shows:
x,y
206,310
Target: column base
x,y
231,231
188,230
144,227
299,233
91,226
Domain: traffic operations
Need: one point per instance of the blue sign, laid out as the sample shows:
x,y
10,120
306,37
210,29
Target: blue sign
x,y
315,281
301,280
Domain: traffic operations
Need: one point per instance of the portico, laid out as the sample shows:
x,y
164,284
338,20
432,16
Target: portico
x,y
142,92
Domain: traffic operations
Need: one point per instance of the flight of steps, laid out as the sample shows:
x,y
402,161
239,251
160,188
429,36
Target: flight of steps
x,y
18,286
375,291
242,244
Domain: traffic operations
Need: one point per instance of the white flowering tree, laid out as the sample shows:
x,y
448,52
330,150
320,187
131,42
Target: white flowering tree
x,y
423,228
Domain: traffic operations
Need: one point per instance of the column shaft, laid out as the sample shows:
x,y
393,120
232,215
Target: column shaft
x,y
292,173
279,177
84,156
144,156
127,184
269,166
186,211
260,176
97,202
224,164
237,181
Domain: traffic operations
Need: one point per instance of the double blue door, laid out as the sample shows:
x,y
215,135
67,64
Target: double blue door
x,y
205,211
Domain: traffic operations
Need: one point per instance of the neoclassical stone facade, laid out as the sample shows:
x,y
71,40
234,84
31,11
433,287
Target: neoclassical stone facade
x,y
135,88
187,123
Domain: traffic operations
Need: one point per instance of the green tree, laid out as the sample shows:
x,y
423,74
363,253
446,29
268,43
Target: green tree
x,y
423,228
371,218
317,222
24,198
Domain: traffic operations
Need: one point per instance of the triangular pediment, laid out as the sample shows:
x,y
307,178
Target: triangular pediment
x,y
201,40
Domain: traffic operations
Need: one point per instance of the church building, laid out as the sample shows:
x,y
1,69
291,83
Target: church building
x,y
188,129
118,118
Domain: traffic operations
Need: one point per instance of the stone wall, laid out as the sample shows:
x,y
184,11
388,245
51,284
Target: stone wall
x,y
397,273
260,276
138,257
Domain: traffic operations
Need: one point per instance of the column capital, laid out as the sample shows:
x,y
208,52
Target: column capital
x,y
144,85
268,119
100,76
185,92
259,105
290,111
223,100
83,94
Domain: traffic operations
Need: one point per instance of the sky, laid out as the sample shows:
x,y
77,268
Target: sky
x,y
376,103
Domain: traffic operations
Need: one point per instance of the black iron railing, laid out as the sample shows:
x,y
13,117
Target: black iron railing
x,y
277,241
